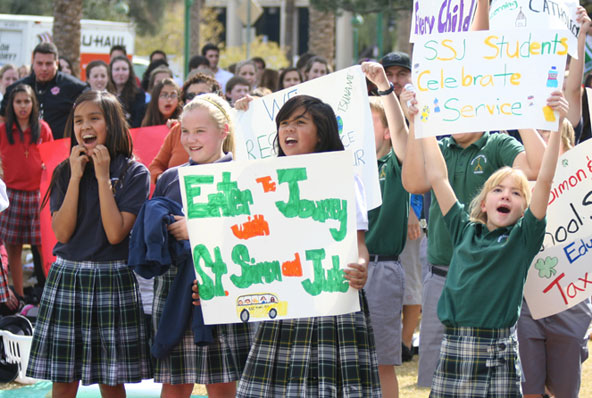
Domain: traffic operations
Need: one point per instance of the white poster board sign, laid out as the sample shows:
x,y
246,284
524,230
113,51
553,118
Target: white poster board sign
x,y
270,237
537,14
558,276
486,80
441,16
347,94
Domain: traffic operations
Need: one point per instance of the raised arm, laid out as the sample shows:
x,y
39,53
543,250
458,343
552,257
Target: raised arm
x,y
530,160
437,174
573,81
481,20
394,114
413,172
542,188
434,170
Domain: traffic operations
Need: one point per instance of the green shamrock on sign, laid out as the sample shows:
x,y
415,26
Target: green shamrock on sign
x,y
546,267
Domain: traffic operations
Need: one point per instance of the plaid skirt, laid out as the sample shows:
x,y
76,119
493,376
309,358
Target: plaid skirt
x,y
478,363
4,295
90,326
19,224
332,356
220,362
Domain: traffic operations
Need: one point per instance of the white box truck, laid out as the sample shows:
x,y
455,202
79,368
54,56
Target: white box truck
x,y
19,34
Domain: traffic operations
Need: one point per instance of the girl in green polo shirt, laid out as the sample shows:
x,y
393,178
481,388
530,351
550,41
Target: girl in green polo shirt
x,y
494,245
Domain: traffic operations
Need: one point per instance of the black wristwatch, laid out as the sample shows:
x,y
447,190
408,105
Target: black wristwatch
x,y
386,92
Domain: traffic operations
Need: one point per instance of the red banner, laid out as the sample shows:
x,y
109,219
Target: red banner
x,y
147,142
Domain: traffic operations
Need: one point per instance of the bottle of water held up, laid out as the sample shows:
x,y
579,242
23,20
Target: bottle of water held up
x,y
552,78
409,87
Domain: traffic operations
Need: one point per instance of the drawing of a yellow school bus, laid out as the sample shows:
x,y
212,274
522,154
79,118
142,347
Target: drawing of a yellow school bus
x,y
260,305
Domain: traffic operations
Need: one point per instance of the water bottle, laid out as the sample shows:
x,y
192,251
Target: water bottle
x,y
409,87
552,78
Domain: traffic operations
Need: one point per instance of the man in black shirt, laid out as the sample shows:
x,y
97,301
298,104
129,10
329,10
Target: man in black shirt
x,y
56,91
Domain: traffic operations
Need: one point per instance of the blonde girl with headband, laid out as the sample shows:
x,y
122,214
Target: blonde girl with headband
x,y
207,136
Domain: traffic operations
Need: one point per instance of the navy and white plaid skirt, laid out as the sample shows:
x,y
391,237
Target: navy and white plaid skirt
x,y
19,223
478,363
220,362
90,326
332,356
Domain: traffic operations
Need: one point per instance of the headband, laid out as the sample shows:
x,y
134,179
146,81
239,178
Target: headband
x,y
215,104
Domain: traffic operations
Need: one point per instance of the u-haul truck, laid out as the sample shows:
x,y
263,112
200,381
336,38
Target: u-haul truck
x,y
19,34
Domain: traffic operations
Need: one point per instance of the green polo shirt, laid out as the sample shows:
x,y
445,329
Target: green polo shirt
x,y
488,270
468,169
387,224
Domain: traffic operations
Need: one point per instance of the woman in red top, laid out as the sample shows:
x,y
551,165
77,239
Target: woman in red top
x,y
20,136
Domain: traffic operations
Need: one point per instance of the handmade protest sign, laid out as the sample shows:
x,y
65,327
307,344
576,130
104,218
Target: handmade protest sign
x,y
558,277
555,284
441,16
487,80
569,215
271,237
346,92
537,14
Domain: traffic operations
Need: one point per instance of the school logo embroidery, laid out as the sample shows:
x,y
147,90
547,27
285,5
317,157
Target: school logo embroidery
x,y
478,163
55,90
114,181
382,174
502,238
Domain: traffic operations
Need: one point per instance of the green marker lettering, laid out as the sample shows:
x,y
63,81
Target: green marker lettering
x,y
333,281
315,288
229,201
336,281
252,272
320,210
192,190
209,289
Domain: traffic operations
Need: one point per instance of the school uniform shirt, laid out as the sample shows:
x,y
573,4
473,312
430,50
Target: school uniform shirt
x,y
387,223
89,241
488,270
21,161
468,169
56,98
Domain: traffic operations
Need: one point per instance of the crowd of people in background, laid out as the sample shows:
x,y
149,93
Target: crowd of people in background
x,y
97,317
